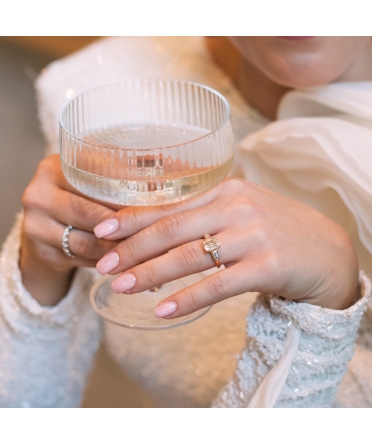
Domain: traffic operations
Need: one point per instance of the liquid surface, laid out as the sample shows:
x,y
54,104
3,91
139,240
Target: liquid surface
x,y
145,136
125,166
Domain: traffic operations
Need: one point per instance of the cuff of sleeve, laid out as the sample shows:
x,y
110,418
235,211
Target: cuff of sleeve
x,y
17,304
323,322
325,347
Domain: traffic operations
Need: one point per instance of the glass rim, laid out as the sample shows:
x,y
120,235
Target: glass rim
x,y
227,116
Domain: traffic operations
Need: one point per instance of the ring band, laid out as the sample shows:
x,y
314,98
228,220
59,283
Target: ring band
x,y
211,245
65,246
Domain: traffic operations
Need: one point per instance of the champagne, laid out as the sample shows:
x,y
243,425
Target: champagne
x,y
146,164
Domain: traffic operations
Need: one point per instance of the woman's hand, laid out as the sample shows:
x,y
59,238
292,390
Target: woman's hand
x,y
268,243
50,204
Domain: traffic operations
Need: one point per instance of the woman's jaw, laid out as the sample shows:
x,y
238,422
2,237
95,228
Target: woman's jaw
x,y
295,62
270,66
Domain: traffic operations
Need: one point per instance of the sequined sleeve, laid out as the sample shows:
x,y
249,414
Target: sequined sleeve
x,y
326,345
45,352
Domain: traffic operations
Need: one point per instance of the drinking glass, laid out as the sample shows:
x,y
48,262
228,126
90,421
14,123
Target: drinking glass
x,y
145,142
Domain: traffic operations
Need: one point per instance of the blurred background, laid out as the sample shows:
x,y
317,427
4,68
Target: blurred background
x,y
22,143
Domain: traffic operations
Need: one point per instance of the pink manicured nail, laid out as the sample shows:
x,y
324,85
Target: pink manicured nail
x,y
165,309
123,283
106,228
107,263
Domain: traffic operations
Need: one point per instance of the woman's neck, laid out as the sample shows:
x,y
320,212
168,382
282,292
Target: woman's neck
x,y
258,90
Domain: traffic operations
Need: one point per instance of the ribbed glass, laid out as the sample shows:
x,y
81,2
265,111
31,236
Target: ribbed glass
x,y
146,141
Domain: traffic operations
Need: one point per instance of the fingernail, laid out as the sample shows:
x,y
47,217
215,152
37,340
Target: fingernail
x,y
123,283
107,263
106,227
165,309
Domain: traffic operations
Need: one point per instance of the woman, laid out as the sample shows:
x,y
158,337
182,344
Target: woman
x,y
269,243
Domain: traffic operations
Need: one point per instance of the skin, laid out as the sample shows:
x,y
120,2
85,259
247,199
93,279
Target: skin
x,y
46,270
263,248
270,66
268,243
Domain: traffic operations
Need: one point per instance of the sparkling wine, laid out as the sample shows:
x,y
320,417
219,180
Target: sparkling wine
x,y
123,164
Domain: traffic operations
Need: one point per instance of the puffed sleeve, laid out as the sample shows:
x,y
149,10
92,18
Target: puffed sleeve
x,y
297,350
45,352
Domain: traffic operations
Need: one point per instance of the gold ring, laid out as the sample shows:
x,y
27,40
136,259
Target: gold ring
x,y
211,245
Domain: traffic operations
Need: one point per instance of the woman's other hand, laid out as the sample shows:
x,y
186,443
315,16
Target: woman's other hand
x,y
268,243
50,204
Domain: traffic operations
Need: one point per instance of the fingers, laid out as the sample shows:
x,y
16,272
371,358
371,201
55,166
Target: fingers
x,y
214,288
79,211
65,207
50,204
48,232
164,235
85,245
184,260
53,257
50,193
131,220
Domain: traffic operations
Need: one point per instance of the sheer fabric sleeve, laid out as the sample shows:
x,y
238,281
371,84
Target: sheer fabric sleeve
x,y
325,348
45,352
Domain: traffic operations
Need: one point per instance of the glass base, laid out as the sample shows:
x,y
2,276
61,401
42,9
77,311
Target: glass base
x,y
136,311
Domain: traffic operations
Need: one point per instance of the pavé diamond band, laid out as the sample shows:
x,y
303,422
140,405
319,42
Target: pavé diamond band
x,y
65,246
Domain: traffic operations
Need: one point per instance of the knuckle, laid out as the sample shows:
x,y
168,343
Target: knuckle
x,y
235,184
190,255
26,198
43,166
29,197
148,274
261,239
134,219
82,210
37,190
97,214
190,300
243,210
172,226
131,249
81,246
273,263
29,229
86,214
46,167
217,285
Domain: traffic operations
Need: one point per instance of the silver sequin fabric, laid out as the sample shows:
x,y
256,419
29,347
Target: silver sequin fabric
x,y
326,347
